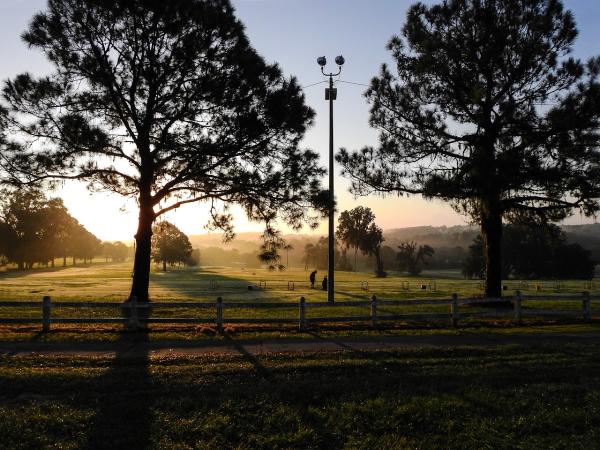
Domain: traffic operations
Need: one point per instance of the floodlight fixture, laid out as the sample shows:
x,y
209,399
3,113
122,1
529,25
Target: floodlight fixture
x,y
339,60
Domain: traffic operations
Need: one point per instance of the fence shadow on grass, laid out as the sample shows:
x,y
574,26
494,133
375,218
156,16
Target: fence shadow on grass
x,y
124,396
373,355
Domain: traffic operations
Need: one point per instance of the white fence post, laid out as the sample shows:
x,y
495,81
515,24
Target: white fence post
x,y
517,306
454,310
134,322
587,310
374,311
302,314
219,318
46,312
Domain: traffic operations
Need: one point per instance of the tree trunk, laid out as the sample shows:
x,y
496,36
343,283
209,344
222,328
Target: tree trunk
x,y
64,260
164,265
52,263
21,265
379,262
355,252
491,232
143,239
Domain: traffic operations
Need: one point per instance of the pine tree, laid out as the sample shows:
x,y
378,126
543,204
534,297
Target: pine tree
x,y
353,227
489,112
170,245
165,102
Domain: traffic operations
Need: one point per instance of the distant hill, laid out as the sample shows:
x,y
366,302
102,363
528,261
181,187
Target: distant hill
x,y
588,236
244,242
591,229
454,236
450,243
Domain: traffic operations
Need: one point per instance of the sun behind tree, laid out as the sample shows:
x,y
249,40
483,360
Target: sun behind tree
x,y
165,102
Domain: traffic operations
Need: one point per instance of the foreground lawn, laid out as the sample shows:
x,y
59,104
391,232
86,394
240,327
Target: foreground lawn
x,y
203,334
512,397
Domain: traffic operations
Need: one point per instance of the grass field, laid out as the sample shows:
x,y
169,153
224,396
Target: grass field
x,y
473,398
511,397
111,282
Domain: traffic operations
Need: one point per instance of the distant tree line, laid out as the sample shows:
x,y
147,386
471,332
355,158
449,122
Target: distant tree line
x,y
115,251
36,229
412,257
533,251
358,233
315,255
218,256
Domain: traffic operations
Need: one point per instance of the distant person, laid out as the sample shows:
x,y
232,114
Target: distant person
x,y
312,278
324,283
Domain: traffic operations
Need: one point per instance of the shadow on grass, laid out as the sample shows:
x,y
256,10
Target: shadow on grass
x,y
123,396
196,284
258,366
367,354
511,397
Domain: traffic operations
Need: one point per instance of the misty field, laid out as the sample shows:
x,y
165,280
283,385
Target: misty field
x,y
111,282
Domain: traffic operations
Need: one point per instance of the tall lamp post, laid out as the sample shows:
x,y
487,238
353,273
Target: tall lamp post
x,y
331,95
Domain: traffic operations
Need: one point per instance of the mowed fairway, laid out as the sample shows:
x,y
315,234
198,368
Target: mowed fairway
x,y
236,286
111,282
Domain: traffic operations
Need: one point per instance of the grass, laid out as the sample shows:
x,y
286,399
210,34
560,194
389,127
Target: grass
x,y
201,334
509,397
111,282
503,397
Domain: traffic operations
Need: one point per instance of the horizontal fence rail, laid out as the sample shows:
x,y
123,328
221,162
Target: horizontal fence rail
x,y
134,314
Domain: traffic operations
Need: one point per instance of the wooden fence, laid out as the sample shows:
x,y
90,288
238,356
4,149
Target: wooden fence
x,y
136,314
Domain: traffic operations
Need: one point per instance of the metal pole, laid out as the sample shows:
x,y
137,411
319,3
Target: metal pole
x,y
330,256
331,96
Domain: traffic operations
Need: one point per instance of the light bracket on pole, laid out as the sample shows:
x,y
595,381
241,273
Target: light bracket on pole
x,y
339,60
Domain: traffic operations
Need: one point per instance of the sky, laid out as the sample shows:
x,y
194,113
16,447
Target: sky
x,y
292,33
